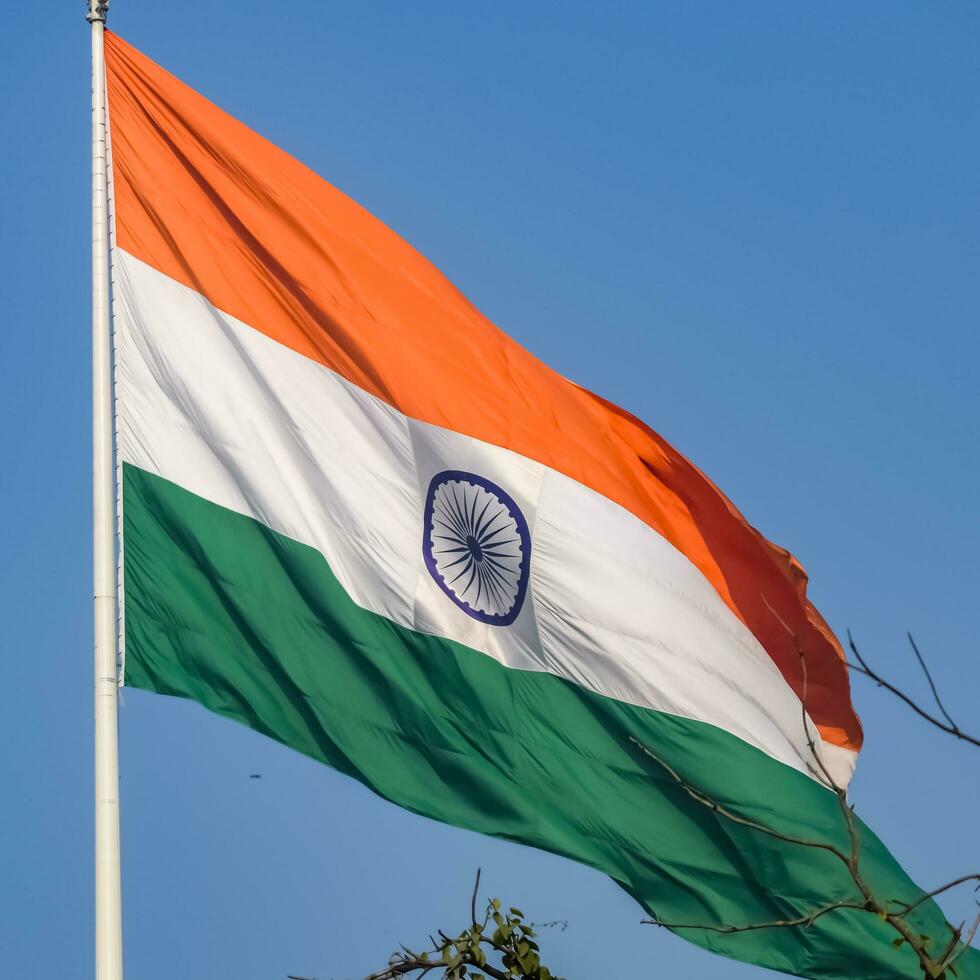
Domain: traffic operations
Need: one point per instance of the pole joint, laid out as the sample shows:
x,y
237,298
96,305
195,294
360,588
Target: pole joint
x,y
97,11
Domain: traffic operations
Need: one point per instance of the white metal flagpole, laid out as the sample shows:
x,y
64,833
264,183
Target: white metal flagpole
x,y
108,891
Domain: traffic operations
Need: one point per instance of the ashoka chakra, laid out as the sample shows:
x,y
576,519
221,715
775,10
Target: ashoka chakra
x,y
476,546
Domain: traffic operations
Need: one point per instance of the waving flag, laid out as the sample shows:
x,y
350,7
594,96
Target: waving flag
x,y
361,519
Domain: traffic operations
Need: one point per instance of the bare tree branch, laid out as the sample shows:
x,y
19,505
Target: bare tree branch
x,y
906,907
723,811
803,920
949,726
932,686
933,968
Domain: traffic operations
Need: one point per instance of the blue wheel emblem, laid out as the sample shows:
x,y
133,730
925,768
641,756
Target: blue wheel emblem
x,y
476,546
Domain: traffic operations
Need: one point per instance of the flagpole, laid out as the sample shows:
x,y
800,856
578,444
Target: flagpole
x,y
108,891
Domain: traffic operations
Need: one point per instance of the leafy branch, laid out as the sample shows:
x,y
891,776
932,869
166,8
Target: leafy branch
x,y
499,935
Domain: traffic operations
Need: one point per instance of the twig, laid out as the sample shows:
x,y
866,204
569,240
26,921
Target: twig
x,y
476,888
906,907
954,956
932,686
948,726
805,677
723,811
803,920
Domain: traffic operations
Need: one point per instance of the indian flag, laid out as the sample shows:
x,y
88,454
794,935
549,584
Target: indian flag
x,y
362,520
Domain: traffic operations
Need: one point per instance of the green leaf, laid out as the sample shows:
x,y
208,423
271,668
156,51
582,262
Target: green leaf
x,y
517,912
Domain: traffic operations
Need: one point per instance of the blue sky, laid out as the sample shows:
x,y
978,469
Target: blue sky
x,y
754,225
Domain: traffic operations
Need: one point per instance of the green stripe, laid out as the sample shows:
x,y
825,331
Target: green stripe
x,y
254,626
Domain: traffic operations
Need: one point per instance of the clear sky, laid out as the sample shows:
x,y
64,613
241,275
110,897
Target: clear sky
x,y
755,225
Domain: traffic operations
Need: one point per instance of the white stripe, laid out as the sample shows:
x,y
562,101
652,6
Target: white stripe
x,y
229,414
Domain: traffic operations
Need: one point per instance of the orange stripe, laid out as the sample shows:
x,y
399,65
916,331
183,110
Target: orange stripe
x,y
208,202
